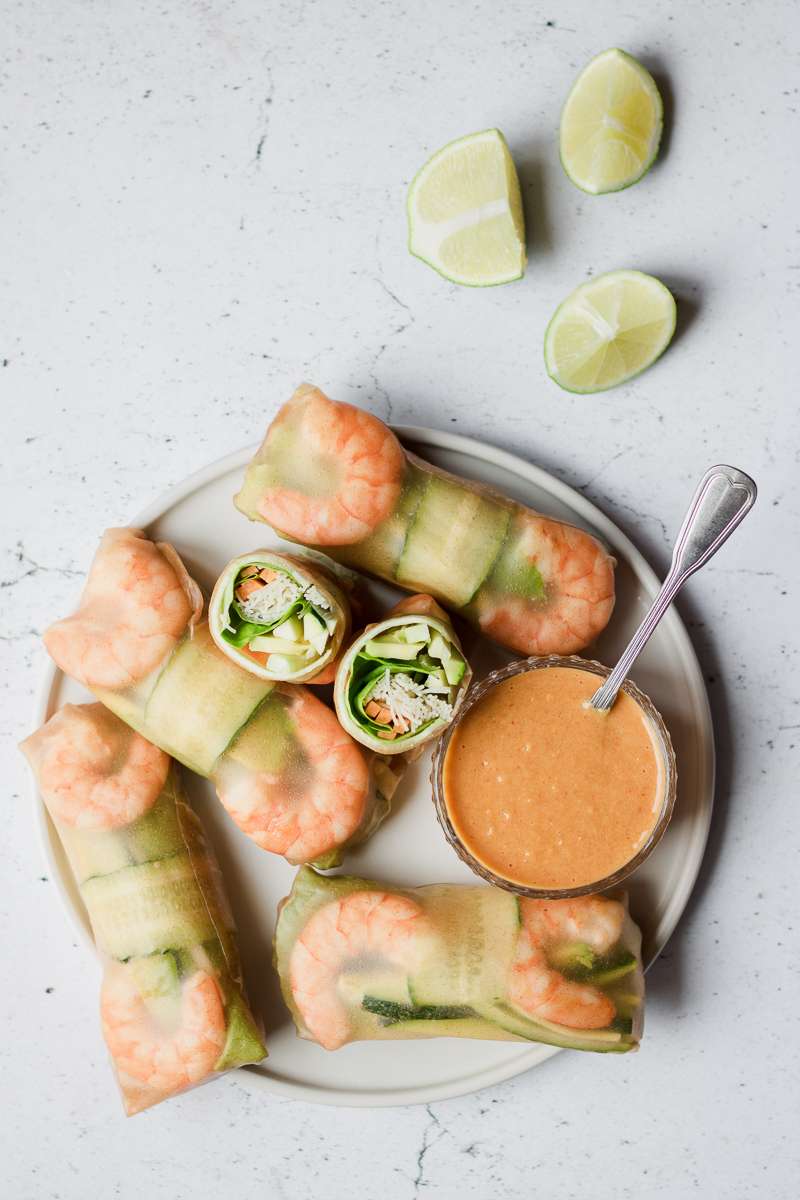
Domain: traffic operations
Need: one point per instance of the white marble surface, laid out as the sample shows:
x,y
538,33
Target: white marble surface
x,y
202,204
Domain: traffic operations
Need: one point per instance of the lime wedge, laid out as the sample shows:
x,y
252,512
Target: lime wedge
x,y
465,212
608,330
611,124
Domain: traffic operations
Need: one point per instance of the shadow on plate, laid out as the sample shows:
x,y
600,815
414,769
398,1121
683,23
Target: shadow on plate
x,y
706,651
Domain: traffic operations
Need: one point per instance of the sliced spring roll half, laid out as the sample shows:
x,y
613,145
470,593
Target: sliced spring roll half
x,y
331,476
401,681
173,1007
280,617
283,767
360,960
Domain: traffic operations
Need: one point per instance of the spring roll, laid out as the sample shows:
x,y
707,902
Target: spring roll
x,y
334,477
360,960
401,681
173,1009
279,616
284,769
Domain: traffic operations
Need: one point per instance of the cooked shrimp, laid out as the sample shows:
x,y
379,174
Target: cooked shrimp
x,y
579,579
137,603
544,992
421,605
347,466
94,772
154,1062
317,801
374,926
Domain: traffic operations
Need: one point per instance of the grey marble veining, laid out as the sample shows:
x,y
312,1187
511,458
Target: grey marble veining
x,y
203,204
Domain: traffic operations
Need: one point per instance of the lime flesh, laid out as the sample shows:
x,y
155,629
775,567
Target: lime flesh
x,y
609,330
611,124
465,215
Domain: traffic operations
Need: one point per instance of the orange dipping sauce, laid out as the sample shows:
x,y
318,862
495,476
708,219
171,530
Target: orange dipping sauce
x,y
546,792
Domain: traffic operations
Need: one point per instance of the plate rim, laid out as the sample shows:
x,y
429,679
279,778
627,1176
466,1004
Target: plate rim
x,y
251,1077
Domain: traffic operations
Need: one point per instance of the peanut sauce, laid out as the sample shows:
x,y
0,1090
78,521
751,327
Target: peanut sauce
x,y
547,792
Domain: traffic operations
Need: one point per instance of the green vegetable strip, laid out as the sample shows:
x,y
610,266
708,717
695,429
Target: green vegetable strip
x,y
390,1012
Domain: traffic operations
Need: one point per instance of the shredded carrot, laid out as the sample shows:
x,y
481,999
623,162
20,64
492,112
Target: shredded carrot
x,y
247,588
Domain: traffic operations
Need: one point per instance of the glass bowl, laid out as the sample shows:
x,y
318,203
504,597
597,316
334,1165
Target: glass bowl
x,y
663,744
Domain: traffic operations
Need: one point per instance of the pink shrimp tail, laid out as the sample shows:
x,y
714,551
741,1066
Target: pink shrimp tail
x,y
137,603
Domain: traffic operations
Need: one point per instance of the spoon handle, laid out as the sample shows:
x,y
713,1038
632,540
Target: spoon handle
x,y
723,499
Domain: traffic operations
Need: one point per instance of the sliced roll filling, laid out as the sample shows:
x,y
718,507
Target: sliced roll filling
x,y
282,621
404,680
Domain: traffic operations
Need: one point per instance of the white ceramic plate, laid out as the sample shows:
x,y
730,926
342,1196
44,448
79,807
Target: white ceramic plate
x,y
199,517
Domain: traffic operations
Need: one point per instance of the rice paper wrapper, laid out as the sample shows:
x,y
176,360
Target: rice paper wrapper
x,y
360,961
414,612
281,665
286,772
331,476
173,1007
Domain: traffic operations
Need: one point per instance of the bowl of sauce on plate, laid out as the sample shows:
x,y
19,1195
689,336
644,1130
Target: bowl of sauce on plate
x,y
539,793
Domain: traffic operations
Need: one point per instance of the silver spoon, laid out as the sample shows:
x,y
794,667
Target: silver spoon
x,y
723,499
